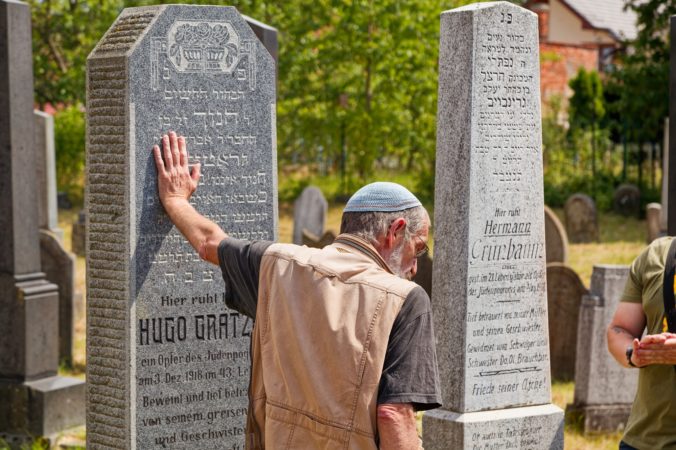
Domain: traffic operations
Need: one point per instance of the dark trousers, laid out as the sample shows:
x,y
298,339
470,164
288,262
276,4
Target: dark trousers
x,y
624,446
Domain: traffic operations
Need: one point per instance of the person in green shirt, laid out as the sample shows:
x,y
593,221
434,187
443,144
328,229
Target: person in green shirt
x,y
652,423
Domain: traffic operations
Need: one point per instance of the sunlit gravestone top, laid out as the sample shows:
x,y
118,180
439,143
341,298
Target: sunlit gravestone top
x,y
167,361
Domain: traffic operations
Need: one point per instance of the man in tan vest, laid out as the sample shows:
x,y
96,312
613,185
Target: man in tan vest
x,y
343,345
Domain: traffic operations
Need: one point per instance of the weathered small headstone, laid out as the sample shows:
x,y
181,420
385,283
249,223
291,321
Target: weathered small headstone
x,y
167,362
489,284
564,295
34,400
309,213
604,390
653,216
59,267
46,174
79,234
556,238
581,220
423,276
627,200
314,241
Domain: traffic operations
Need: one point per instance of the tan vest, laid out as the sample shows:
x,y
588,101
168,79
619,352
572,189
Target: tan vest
x,y
322,326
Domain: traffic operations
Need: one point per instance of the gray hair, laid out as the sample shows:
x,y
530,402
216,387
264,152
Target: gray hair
x,y
372,225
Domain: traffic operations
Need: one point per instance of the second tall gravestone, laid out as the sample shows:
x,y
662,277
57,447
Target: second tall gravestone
x,y
489,285
167,362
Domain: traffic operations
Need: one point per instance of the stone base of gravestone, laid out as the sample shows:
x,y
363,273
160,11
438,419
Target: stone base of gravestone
x,y
41,408
529,427
653,216
599,419
59,267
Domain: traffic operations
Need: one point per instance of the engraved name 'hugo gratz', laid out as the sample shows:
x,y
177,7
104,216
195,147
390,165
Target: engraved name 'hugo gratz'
x,y
200,327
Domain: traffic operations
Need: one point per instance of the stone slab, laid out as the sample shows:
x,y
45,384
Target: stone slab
x,y
45,158
653,216
59,267
599,379
309,213
627,200
581,219
160,340
556,239
532,427
79,234
564,296
489,282
665,179
599,419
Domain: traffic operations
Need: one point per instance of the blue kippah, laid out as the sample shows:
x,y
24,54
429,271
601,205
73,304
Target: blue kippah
x,y
381,196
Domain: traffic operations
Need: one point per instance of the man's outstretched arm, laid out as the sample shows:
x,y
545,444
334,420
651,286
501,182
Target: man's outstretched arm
x,y
176,183
397,427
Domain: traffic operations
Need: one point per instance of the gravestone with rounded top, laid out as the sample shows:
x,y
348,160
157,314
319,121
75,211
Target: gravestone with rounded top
x,y
167,361
556,239
627,200
564,295
309,213
489,291
581,220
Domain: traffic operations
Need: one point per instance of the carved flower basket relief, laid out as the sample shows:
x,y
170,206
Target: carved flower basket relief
x,y
204,46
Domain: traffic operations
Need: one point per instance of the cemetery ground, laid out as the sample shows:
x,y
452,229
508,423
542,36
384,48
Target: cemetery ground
x,y
621,239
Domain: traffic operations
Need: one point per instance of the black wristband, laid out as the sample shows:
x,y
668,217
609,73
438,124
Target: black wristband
x,y
630,353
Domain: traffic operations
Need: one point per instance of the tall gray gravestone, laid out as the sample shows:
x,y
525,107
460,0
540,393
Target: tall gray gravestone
x,y
167,362
604,390
45,157
34,400
489,284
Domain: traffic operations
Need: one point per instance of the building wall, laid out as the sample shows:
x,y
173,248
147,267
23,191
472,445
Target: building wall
x,y
566,27
559,63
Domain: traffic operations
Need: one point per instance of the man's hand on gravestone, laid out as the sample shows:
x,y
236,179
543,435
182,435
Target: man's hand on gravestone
x,y
175,182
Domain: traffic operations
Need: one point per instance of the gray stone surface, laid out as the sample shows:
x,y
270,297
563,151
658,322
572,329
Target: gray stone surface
x,y
581,220
266,34
79,234
45,158
556,239
599,380
314,241
653,216
489,282
160,340
59,266
564,295
424,274
309,213
28,303
531,428
665,179
627,200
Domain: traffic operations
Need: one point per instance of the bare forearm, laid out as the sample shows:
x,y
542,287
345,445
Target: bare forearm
x,y
203,234
396,427
618,341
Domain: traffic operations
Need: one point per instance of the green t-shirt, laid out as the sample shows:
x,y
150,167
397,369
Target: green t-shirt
x,y
652,424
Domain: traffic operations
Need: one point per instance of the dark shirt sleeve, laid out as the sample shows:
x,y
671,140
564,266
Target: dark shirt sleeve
x,y
410,373
240,263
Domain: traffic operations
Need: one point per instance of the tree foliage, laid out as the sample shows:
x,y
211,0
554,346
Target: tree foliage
x,y
586,108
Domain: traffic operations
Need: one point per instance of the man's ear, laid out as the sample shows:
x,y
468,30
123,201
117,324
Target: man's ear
x,y
397,228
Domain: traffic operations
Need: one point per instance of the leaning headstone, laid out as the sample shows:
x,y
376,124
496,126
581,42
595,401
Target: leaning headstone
x,y
564,295
309,213
604,390
556,239
627,200
423,276
46,174
79,234
167,362
653,216
581,220
314,241
34,400
59,266
489,291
